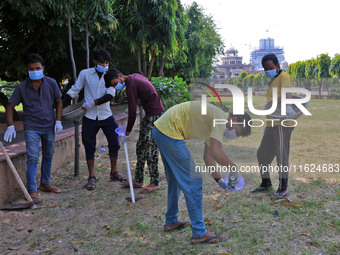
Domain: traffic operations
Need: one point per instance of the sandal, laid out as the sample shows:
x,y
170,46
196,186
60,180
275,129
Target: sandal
x,y
279,195
261,189
49,188
218,238
181,224
136,185
149,189
91,183
116,176
35,198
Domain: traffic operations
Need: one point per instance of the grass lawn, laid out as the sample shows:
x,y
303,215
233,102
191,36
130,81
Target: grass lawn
x,y
104,222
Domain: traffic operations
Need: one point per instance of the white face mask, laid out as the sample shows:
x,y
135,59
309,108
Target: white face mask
x,y
230,134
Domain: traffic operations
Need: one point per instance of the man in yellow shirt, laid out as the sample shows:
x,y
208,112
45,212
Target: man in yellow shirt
x,y
185,122
276,137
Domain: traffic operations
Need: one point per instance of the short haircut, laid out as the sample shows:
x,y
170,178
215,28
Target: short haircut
x,y
271,57
243,118
110,75
102,55
34,58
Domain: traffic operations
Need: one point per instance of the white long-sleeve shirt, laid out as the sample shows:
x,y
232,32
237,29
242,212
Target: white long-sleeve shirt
x,y
94,88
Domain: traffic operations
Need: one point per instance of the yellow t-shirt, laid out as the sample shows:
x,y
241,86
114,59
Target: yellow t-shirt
x,y
282,80
185,122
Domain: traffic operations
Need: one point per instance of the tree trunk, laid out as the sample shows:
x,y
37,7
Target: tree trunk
x,y
87,44
144,64
151,63
139,61
161,68
70,41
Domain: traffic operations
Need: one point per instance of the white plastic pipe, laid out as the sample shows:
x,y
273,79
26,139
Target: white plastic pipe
x,y
129,173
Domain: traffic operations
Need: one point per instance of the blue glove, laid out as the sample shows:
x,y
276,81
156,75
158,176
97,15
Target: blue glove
x,y
58,127
10,133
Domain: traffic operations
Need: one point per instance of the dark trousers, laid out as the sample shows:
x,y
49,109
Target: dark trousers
x,y
275,143
90,129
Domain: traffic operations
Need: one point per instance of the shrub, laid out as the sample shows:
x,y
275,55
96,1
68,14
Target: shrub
x,y
172,91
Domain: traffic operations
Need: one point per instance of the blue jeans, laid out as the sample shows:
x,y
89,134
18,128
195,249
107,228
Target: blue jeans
x,y
179,168
32,146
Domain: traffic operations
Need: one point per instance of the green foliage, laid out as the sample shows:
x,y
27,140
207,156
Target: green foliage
x,y
7,87
323,63
171,90
335,65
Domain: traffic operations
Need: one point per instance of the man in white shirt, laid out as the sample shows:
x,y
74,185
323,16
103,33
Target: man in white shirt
x,y
98,114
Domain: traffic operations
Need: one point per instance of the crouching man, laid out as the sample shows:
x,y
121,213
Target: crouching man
x,y
185,122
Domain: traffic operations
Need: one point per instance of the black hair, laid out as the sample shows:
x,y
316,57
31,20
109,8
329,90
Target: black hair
x,y
245,118
110,75
34,58
271,57
102,55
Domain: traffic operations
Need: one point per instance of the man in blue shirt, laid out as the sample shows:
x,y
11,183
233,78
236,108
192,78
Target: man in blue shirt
x,y
38,94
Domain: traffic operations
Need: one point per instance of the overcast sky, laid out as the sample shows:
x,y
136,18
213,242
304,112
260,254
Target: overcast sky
x,y
305,28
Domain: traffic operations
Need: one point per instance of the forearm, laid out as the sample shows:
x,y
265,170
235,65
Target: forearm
x,y
210,162
103,99
59,108
9,114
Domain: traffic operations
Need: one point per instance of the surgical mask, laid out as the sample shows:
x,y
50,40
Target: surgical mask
x,y
36,75
120,86
271,73
101,69
230,133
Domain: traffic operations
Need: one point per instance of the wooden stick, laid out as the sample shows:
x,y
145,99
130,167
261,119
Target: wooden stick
x,y
206,216
17,177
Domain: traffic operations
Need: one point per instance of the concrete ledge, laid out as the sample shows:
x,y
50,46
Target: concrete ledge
x,y
63,154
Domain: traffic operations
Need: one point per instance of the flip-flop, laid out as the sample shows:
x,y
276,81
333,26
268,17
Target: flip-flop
x,y
50,188
135,185
261,189
279,195
183,224
148,189
208,239
35,199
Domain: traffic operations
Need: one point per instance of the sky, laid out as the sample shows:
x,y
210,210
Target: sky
x,y
304,28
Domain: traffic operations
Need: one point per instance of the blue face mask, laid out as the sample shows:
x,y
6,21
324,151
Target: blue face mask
x,y
120,86
36,75
101,69
271,73
230,133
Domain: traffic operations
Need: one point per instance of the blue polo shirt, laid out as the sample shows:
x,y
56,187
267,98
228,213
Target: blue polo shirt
x,y
38,106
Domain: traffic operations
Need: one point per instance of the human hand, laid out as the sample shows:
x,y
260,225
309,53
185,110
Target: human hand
x,y
10,133
88,105
58,127
124,138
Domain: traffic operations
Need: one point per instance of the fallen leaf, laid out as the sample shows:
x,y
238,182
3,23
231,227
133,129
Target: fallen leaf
x,y
146,202
234,221
117,193
20,228
284,203
7,220
52,206
127,212
143,237
143,244
304,233
208,222
310,243
79,242
32,246
307,214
